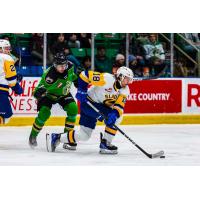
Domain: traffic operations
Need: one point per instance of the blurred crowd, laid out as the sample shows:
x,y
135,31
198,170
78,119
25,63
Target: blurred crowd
x,y
148,53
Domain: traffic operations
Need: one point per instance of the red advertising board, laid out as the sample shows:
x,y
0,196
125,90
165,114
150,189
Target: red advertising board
x,y
155,96
25,103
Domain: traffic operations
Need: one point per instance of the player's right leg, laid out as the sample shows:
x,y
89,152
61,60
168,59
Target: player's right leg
x,y
70,107
44,108
87,125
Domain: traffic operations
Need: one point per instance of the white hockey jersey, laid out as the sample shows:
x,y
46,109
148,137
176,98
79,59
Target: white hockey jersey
x,y
7,72
104,90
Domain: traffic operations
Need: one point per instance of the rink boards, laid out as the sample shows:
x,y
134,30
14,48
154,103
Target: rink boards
x,y
161,101
127,120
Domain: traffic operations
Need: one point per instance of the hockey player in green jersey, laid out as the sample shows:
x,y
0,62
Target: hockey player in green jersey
x,y
53,88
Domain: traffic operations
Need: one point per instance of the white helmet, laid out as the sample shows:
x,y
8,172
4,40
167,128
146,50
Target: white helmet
x,y
4,44
123,72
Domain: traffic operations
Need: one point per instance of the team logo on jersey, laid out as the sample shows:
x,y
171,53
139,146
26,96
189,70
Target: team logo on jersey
x,y
111,96
49,80
108,90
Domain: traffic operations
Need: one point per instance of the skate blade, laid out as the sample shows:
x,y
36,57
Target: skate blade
x,y
48,143
32,146
70,148
105,151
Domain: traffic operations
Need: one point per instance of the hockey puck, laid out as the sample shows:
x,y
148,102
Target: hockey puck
x,y
162,156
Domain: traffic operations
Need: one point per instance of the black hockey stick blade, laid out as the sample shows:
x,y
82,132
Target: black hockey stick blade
x,y
157,155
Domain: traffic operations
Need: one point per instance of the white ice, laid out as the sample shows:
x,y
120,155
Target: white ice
x,y
181,144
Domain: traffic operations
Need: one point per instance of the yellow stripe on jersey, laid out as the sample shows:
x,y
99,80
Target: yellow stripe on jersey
x,y
13,84
9,68
84,77
121,100
120,103
4,89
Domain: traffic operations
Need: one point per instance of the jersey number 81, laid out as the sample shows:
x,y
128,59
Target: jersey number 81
x,y
96,78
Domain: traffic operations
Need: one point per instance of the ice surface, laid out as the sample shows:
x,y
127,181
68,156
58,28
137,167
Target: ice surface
x,y
181,144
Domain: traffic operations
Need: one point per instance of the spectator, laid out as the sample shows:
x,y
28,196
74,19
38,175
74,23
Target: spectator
x,y
87,62
102,62
60,45
86,65
119,62
138,70
122,47
154,55
37,50
142,38
73,41
180,68
138,49
136,42
193,38
75,61
85,41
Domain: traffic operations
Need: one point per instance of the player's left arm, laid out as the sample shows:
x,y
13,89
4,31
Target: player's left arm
x,y
85,79
11,76
120,104
10,72
118,108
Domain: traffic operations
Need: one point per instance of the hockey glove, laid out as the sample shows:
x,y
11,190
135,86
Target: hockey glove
x,y
39,93
81,95
19,78
111,119
17,89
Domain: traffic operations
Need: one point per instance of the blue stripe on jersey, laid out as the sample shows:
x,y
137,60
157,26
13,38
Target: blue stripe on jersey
x,y
119,105
82,84
11,78
86,73
4,86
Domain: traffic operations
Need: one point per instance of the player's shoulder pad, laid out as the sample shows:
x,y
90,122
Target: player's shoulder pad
x,y
108,77
6,57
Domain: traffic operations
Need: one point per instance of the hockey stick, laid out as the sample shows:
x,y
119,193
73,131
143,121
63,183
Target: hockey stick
x,y
159,154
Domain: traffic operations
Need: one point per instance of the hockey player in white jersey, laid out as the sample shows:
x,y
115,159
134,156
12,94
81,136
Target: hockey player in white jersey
x,y
108,93
8,79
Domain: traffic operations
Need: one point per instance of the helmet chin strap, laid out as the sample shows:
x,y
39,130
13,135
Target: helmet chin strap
x,y
118,84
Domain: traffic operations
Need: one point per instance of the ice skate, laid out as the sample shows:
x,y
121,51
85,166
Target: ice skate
x,y
106,147
32,141
52,141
